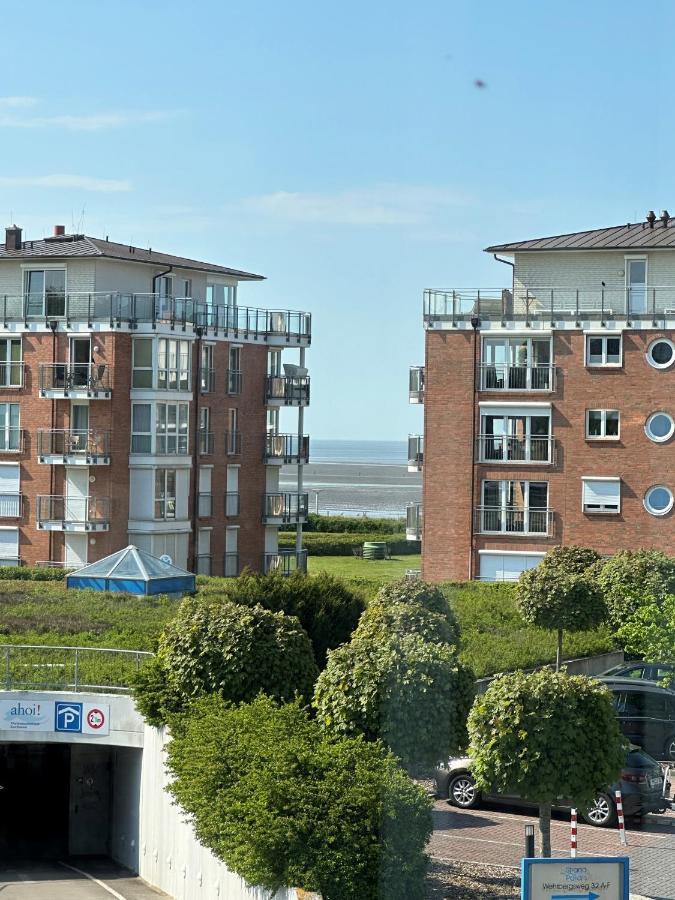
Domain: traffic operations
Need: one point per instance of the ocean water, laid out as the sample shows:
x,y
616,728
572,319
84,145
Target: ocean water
x,y
368,478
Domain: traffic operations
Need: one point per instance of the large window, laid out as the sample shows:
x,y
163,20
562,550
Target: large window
x,y
601,495
9,546
11,368
517,364
171,428
165,493
603,350
506,566
602,423
234,371
515,438
10,431
45,291
514,507
142,363
141,428
173,364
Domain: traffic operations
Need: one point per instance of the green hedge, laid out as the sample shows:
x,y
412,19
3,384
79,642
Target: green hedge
x,y
353,524
336,544
31,573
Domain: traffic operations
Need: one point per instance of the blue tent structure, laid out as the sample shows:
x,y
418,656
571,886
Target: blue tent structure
x,y
133,571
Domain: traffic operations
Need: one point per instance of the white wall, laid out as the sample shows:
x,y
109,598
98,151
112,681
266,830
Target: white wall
x,y
125,806
589,270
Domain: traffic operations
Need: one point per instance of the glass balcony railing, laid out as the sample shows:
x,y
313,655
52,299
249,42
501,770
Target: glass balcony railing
x,y
91,447
413,522
286,448
415,452
285,562
285,508
75,380
416,384
61,513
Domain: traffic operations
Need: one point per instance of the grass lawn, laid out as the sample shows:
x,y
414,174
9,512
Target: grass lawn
x,y
366,574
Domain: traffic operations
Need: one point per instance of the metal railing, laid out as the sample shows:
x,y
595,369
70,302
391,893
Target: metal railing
x,y
11,440
10,561
117,308
234,381
203,564
91,445
287,448
35,667
505,449
230,565
416,384
11,374
207,380
86,511
413,522
505,377
287,390
233,443
205,443
285,562
67,378
285,507
537,303
415,452
232,504
204,505
514,520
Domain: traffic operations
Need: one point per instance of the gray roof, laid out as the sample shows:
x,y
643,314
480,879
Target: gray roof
x,y
131,563
79,245
638,236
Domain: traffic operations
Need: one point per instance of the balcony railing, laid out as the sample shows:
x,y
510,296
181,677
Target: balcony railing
x,y
117,308
230,565
504,377
234,381
415,452
286,448
416,384
287,390
203,564
207,380
205,443
503,449
11,440
514,520
37,667
90,447
551,304
232,504
285,508
11,505
233,443
413,522
75,380
204,505
285,562
11,374
60,513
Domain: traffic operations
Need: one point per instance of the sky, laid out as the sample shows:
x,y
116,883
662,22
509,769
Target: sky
x,y
353,152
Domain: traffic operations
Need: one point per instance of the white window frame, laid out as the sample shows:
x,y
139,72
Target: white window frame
x,y
660,367
603,436
506,414
165,372
655,438
513,340
8,364
652,510
10,501
594,336
151,368
167,502
11,560
6,431
504,506
536,554
44,267
613,509
164,435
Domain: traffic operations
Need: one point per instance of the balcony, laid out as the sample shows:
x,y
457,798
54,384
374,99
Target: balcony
x,y
415,452
75,381
416,384
285,509
283,449
233,443
234,381
514,520
413,522
73,448
550,305
285,562
232,504
204,506
287,390
492,448
11,440
205,443
207,380
230,565
11,505
516,378
60,513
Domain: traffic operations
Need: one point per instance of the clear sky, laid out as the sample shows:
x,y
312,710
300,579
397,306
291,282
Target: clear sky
x,y
344,150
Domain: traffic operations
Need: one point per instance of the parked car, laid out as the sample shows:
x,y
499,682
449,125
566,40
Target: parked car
x,y
663,673
644,787
646,712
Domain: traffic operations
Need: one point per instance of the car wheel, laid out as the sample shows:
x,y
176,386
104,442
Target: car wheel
x,y
601,812
669,749
462,791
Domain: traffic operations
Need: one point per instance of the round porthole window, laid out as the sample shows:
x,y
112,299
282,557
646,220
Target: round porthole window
x,y
659,427
659,500
661,353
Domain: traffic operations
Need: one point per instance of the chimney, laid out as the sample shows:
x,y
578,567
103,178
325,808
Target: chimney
x,y
13,238
59,230
651,218
665,217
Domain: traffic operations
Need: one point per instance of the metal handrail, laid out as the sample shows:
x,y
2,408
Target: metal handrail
x,y
89,443
78,510
286,447
511,449
285,562
233,443
35,666
205,443
285,506
514,520
508,377
291,390
234,381
66,377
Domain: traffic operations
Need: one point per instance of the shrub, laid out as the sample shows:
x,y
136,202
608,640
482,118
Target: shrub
x,y
32,573
429,596
284,804
571,560
220,647
632,578
327,608
357,524
343,544
381,620
650,631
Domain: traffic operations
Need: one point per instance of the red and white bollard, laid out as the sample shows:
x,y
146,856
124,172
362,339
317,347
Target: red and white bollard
x,y
619,813
573,834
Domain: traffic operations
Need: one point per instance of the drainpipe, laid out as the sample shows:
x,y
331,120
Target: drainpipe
x,y
475,324
53,324
508,262
154,287
195,448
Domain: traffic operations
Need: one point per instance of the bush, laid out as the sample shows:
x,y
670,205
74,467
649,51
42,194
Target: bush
x,y
429,596
571,560
343,544
327,608
650,631
284,804
357,524
381,620
32,573
633,578
220,647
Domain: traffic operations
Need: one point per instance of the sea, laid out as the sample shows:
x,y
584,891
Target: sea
x,y
357,478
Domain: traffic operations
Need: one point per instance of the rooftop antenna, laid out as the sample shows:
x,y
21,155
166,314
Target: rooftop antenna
x,y
80,224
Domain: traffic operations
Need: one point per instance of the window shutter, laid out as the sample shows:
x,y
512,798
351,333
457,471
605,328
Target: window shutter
x,y
9,546
601,492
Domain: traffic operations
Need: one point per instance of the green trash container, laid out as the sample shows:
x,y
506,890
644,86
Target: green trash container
x,y
374,550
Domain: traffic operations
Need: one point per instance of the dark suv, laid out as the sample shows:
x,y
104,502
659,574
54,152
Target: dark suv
x,y
663,673
646,714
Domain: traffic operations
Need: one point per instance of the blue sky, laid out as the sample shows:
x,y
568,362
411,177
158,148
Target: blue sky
x,y
343,150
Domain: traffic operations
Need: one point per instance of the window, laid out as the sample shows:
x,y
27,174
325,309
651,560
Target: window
x,y
232,445
516,364
11,367
9,546
274,362
658,500
206,371
661,353
205,506
186,288
205,436
171,428
173,365
601,495
515,507
10,432
234,371
602,423
165,493
498,566
10,496
142,363
603,351
659,427
45,291
515,438
141,428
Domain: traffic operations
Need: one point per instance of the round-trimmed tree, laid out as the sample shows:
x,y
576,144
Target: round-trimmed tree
x,y
544,736
634,578
420,593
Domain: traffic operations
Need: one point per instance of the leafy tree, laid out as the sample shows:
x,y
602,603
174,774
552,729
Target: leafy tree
x,y
544,736
633,578
380,620
283,803
420,593
219,647
650,631
327,608
551,595
571,559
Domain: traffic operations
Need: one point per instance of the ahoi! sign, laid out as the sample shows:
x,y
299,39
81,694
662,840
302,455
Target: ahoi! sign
x,y
581,878
56,716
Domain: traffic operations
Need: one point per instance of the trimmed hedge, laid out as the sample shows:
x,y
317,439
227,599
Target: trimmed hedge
x,y
343,544
31,573
353,525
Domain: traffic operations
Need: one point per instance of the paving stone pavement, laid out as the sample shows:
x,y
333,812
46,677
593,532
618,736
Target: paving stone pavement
x,y
495,835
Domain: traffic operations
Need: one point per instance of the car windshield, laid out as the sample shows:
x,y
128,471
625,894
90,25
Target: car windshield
x,y
638,759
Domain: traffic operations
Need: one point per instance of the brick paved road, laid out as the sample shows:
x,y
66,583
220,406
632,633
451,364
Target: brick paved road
x,y
496,835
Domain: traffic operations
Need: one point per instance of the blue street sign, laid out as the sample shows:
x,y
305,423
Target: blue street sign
x,y
576,878
68,717
589,896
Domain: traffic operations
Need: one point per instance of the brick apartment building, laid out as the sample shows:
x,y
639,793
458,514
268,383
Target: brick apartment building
x,y
140,403
549,407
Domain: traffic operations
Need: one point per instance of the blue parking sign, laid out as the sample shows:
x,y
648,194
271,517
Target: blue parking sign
x,y
68,717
